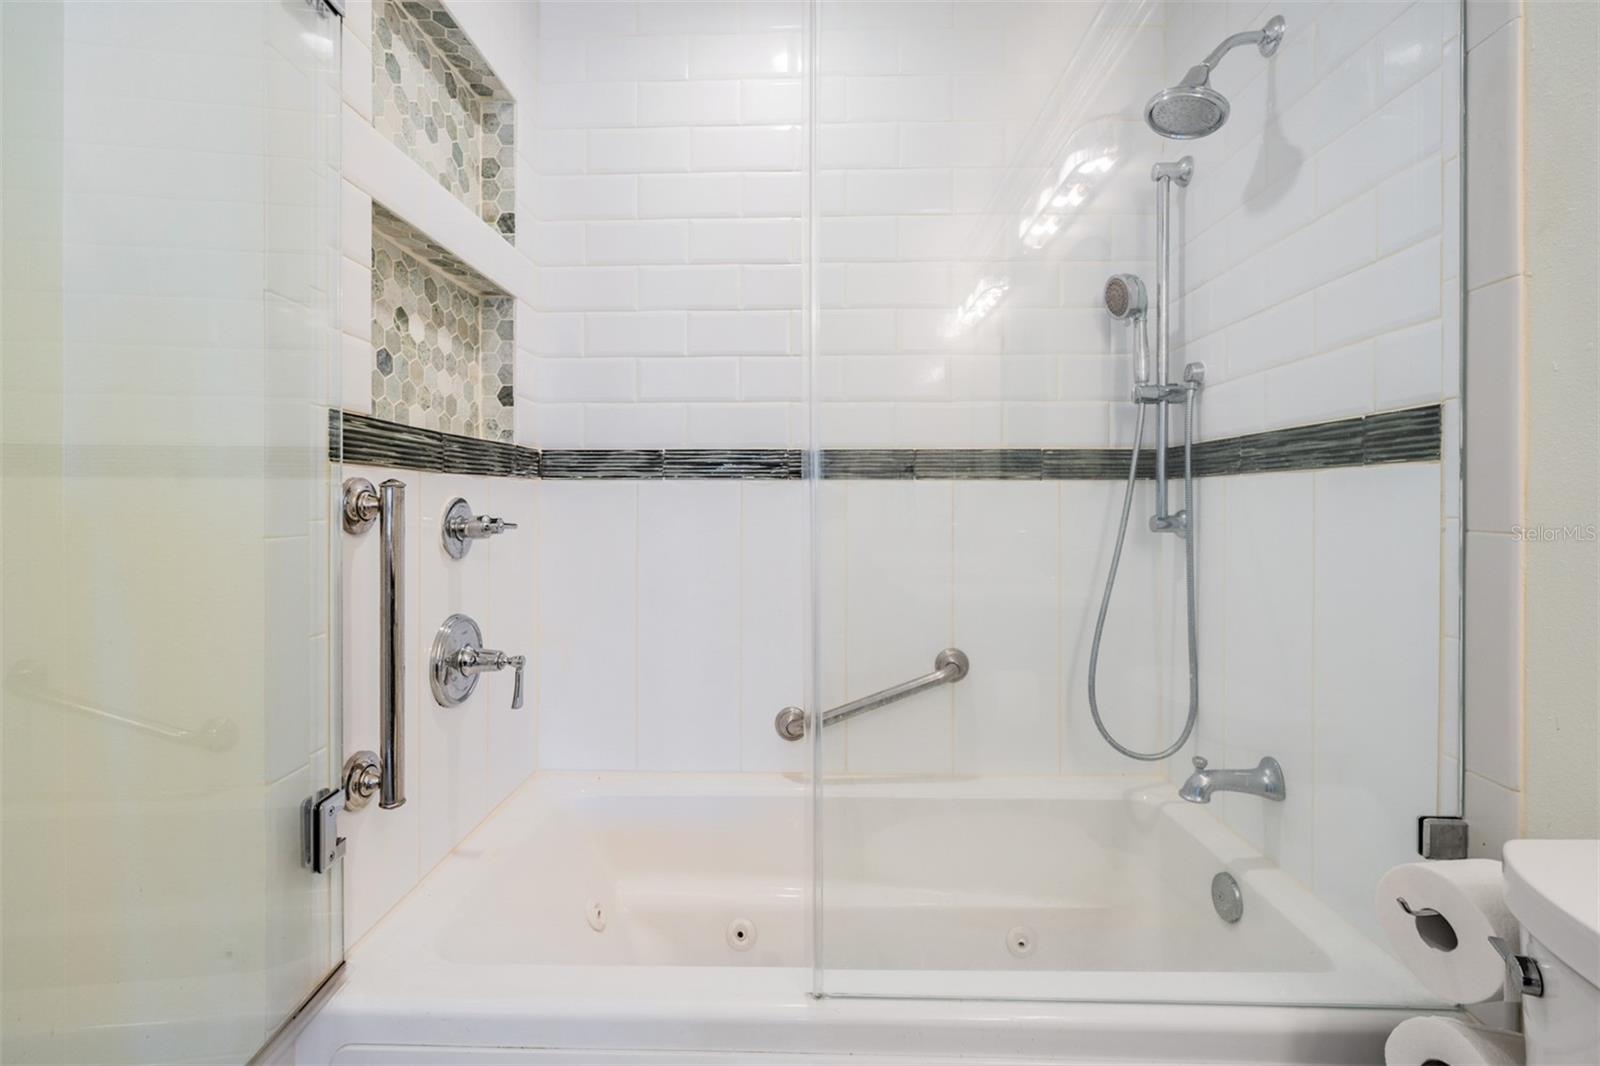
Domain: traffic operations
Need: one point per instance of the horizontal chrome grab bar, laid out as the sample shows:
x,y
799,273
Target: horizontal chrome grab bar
x,y
217,734
949,666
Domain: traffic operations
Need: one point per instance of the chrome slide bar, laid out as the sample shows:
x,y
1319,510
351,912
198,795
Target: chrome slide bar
x,y
949,666
383,772
217,734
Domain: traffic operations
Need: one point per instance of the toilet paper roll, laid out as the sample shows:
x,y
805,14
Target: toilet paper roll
x,y
1452,1042
1455,907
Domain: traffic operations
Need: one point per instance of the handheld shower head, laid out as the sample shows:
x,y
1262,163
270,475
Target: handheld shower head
x,y
1125,300
1192,108
1125,297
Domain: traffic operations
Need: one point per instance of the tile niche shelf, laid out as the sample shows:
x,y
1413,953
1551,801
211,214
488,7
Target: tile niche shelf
x,y
443,337
436,97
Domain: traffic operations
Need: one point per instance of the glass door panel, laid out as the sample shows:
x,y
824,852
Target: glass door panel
x,y
982,170
169,224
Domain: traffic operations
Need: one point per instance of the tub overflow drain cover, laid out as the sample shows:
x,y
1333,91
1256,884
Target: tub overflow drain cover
x,y
596,917
1226,897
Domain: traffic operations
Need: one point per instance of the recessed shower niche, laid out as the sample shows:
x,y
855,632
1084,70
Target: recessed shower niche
x,y
436,97
443,336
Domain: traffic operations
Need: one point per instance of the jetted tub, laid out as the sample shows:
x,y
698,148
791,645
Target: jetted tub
x,y
636,918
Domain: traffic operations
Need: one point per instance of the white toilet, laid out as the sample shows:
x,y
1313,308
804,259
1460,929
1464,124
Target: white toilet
x,y
1553,888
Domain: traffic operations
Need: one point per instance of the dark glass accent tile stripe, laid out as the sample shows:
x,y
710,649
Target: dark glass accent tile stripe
x,y
364,439
868,464
1411,435
601,465
1402,436
988,464
1212,458
1092,464
466,455
748,463
1303,447
382,443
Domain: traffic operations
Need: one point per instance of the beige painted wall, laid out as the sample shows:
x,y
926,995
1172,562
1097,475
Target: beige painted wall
x,y
1562,677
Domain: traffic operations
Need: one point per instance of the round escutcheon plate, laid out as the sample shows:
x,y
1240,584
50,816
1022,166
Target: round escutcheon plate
x,y
450,685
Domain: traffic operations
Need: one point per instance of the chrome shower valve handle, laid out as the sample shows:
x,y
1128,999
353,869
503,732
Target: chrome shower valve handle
x,y
461,527
459,659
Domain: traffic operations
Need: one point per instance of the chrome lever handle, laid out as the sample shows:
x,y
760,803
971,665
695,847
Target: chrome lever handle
x,y
517,662
499,660
1522,972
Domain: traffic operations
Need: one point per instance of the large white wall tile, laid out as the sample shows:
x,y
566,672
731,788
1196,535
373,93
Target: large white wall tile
x,y
774,609
689,625
1267,658
1496,816
588,620
1494,156
1493,647
898,617
1494,406
1007,620
1377,674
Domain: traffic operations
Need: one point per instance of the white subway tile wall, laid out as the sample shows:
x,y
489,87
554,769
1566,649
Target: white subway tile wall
x,y
666,218
1315,276
1318,254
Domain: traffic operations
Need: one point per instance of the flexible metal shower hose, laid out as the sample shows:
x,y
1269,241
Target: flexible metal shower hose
x,y
1188,561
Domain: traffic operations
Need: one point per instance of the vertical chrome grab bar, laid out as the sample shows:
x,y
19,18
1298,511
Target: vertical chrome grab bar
x,y
391,644
383,772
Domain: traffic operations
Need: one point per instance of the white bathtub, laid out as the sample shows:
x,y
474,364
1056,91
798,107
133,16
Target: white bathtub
x,y
635,918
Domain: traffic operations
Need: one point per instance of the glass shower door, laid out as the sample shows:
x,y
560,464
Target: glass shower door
x,y
980,171
169,224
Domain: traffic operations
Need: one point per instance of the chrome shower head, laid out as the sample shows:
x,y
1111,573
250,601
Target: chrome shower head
x,y
1185,112
1192,108
1125,297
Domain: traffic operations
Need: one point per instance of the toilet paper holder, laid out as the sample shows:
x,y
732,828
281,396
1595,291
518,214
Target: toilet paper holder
x,y
1433,928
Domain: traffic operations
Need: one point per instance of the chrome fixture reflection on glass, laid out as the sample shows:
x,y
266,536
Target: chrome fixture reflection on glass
x,y
1192,108
1265,779
461,527
459,659
949,666
31,682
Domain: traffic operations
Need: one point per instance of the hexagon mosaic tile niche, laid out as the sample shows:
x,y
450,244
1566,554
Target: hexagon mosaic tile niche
x,y
436,97
443,337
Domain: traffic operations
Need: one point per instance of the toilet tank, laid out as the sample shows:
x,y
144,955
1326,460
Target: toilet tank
x,y
1553,888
